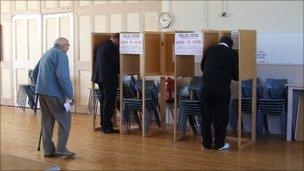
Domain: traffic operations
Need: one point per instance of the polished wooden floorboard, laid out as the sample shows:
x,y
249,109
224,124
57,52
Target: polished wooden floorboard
x,y
96,151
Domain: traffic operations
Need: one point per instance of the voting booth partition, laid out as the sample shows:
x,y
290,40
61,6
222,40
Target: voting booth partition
x,y
140,55
96,40
162,54
178,58
245,44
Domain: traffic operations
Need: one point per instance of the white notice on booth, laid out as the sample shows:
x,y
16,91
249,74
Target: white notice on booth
x,y
235,39
131,43
188,44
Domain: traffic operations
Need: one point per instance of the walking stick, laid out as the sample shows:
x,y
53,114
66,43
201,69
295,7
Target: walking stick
x,y
39,142
40,136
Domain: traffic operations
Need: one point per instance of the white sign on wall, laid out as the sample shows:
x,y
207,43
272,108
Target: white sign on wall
x,y
235,39
188,44
263,56
131,43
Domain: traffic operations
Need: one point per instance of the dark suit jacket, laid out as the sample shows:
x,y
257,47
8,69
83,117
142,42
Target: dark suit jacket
x,y
106,64
219,65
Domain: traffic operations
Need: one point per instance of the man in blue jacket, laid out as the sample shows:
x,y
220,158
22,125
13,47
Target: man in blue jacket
x,y
54,87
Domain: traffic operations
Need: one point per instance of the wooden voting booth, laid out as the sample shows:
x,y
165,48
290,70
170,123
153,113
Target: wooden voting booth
x,y
96,40
140,54
178,66
245,43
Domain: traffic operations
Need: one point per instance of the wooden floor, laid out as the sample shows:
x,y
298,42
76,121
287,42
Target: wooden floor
x,y
96,151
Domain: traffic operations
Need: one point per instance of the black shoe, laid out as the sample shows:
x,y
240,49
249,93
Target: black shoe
x,y
111,131
50,155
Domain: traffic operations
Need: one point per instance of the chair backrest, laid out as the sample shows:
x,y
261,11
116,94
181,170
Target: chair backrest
x,y
272,106
275,88
192,107
149,84
246,104
183,92
195,87
30,75
136,104
247,89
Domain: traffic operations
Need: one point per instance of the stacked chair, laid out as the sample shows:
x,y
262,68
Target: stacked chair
x,y
246,90
96,98
190,107
134,104
26,92
271,100
275,103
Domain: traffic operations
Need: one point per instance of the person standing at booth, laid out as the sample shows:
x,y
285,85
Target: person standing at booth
x,y
54,87
105,74
219,65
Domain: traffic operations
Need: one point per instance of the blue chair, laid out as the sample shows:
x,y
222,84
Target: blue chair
x,y
246,90
191,108
27,91
129,91
134,103
275,103
151,93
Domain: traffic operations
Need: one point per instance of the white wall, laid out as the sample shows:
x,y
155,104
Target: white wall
x,y
264,16
279,23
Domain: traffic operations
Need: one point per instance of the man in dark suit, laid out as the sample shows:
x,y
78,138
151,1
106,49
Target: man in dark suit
x,y
105,74
219,65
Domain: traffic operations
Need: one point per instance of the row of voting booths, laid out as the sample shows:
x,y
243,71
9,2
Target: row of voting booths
x,y
157,55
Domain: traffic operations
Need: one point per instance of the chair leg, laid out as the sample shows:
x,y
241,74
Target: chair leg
x,y
172,113
192,124
137,119
266,125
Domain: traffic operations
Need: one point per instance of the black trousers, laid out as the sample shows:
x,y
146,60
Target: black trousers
x,y
107,105
215,108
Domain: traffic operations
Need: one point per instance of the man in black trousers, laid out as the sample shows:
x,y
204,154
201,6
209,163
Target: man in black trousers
x,y
219,65
105,74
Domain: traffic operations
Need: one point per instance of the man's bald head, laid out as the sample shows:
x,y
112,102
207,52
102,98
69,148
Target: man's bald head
x,y
62,43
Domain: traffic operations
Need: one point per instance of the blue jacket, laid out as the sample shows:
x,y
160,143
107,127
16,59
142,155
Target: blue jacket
x,y
52,75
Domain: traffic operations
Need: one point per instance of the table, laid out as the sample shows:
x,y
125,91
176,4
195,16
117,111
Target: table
x,y
291,90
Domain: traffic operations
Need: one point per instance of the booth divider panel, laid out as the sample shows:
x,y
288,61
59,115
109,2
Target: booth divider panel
x,y
169,39
225,33
210,39
130,64
184,66
152,51
247,54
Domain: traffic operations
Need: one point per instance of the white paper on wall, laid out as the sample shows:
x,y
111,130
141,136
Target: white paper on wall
x,y
188,44
131,43
263,56
235,38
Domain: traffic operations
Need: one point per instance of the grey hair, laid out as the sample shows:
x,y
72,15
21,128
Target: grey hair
x,y
59,42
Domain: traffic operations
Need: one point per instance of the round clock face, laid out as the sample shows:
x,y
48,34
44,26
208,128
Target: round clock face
x,y
164,20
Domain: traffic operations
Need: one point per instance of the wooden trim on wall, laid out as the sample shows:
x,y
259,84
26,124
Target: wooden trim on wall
x,y
1,54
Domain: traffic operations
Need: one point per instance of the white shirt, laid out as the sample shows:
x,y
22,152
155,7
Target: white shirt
x,y
223,44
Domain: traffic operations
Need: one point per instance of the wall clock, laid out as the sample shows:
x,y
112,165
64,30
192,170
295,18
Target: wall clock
x,y
164,20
